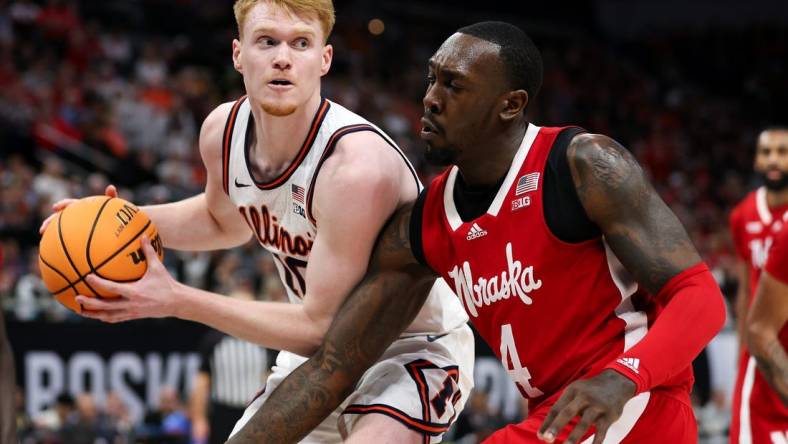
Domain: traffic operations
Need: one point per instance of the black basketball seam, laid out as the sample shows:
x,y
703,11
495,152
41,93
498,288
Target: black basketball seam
x,y
41,258
82,277
90,236
112,256
93,269
68,256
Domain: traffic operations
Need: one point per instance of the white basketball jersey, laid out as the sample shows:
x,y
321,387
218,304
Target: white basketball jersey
x,y
279,211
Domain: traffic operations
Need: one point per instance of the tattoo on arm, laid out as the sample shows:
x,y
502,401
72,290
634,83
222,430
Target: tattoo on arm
x,y
774,366
373,316
638,226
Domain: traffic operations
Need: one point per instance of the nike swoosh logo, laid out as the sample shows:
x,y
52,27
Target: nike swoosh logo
x,y
241,185
431,338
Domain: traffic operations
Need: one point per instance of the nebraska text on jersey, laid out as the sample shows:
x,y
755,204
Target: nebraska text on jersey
x,y
487,291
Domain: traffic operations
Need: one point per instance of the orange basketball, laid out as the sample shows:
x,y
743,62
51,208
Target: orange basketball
x,y
99,235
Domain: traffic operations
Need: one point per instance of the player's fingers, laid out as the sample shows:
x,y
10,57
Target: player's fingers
x,y
103,305
588,417
46,223
147,248
107,286
111,317
111,191
62,204
560,420
557,407
602,424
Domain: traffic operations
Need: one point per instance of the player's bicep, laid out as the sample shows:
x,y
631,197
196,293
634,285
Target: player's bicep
x,y
351,209
638,226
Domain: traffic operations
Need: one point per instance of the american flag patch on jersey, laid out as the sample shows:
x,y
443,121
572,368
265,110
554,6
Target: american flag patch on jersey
x,y
298,193
527,183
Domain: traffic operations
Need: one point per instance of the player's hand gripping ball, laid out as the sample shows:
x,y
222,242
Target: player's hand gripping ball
x,y
99,235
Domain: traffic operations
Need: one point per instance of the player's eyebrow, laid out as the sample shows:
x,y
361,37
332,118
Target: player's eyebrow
x,y
453,73
297,30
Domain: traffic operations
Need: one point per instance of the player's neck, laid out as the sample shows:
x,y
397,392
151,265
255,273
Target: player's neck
x,y
490,163
278,139
776,199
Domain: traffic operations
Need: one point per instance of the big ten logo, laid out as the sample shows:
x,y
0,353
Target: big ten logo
x,y
137,380
299,210
139,256
124,216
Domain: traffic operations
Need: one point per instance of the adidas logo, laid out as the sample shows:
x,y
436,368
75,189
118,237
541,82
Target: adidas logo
x,y
630,363
475,232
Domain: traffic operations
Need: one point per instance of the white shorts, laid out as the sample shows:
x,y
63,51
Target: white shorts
x,y
421,381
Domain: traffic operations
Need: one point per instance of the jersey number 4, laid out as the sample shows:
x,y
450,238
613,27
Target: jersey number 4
x,y
519,374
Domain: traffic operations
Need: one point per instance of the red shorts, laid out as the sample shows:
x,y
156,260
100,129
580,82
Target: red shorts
x,y
759,417
656,417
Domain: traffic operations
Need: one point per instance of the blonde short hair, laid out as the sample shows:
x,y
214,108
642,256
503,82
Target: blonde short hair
x,y
322,9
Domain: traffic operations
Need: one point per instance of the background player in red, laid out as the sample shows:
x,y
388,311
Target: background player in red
x,y
526,226
767,338
753,224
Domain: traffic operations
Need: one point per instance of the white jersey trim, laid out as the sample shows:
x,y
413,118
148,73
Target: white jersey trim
x,y
762,205
636,322
745,428
455,221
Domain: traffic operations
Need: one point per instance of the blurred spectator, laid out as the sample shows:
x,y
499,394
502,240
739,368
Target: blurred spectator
x,y
175,421
169,424
31,296
118,413
88,424
57,416
477,421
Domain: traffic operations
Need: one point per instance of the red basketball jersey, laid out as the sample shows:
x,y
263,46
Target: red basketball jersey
x,y
757,410
753,225
777,265
552,311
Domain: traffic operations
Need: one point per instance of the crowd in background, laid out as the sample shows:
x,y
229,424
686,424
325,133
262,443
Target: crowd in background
x,y
86,101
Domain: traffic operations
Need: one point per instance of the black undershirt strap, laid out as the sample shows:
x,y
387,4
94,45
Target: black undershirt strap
x,y
564,214
472,202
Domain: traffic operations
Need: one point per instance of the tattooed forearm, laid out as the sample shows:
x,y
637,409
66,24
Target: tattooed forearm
x,y
641,230
773,364
372,317
370,320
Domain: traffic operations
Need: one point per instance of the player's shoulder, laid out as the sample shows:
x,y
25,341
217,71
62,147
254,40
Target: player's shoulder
x,y
217,119
365,157
588,147
357,174
212,130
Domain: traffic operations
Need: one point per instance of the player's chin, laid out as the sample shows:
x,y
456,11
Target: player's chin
x,y
439,156
279,108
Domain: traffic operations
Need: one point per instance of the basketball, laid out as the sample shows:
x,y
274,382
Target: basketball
x,y
99,235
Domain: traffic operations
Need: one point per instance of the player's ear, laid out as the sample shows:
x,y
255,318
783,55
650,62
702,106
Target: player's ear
x,y
514,103
328,55
237,56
